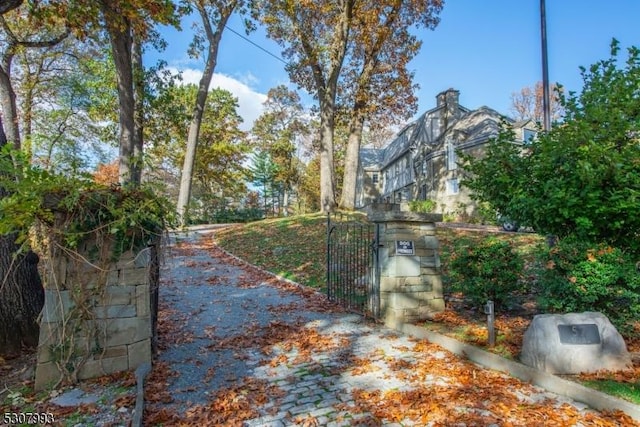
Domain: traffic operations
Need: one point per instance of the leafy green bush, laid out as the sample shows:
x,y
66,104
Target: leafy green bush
x,y
489,270
577,276
71,208
238,215
582,176
425,206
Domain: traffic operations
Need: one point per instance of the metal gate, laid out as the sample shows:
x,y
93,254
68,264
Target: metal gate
x,y
353,275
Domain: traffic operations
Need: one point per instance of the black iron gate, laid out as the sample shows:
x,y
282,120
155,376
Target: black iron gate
x,y
353,276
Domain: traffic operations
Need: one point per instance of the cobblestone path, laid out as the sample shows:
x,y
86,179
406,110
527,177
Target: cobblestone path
x,y
238,347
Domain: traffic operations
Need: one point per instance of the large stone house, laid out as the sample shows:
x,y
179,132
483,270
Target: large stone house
x,y
421,162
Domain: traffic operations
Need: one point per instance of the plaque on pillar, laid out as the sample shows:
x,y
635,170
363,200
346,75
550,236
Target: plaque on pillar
x,y
405,247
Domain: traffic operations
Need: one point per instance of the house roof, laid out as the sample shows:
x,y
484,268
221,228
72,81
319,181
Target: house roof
x,y
479,124
528,123
399,145
415,133
470,127
371,158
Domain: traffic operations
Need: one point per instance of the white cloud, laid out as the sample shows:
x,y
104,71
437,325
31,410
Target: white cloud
x,y
249,101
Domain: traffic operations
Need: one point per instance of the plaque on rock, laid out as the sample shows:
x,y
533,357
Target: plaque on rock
x,y
579,334
404,247
574,343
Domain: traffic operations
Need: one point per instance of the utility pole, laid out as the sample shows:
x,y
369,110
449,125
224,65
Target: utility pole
x,y
546,105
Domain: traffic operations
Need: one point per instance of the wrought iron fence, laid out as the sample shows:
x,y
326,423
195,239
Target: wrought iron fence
x,y
352,268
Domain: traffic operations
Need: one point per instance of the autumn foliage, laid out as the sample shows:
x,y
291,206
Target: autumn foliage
x,y
106,173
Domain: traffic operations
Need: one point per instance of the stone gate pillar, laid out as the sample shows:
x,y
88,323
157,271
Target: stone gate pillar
x,y
410,280
96,320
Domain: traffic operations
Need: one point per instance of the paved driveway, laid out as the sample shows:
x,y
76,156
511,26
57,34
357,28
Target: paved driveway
x,y
238,347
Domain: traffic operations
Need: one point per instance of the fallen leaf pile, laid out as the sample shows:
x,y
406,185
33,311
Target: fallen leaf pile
x,y
441,388
231,406
491,396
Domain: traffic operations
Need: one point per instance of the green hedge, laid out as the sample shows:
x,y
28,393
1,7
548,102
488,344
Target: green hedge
x,y
576,275
488,270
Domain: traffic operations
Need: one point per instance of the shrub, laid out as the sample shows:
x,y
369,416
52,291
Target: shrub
x,y
489,270
582,176
425,206
576,276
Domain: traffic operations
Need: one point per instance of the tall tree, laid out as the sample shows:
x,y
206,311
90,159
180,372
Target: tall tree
x,y
53,89
263,174
22,29
218,170
376,82
127,24
527,103
74,112
277,131
21,293
222,149
315,36
214,15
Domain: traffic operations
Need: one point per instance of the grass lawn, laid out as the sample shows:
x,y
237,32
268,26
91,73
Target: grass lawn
x,y
292,247
295,248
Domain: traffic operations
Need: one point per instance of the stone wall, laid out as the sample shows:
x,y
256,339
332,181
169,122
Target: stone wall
x,y
96,320
410,284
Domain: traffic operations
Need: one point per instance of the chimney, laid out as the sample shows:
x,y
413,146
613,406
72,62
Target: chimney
x,y
452,97
448,99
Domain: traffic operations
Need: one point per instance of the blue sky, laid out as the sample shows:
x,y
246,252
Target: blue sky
x,y
487,49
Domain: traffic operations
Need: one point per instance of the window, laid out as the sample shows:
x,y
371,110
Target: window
x,y
528,136
374,178
452,187
451,157
434,128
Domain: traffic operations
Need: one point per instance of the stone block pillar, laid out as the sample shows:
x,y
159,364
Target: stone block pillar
x,y
410,280
95,320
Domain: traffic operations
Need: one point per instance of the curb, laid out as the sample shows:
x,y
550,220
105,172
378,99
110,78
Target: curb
x,y
141,373
593,398
262,270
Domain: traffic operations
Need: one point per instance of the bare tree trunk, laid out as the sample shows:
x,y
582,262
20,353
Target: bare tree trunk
x,y
327,166
11,131
138,120
352,162
21,298
121,45
214,37
285,201
21,292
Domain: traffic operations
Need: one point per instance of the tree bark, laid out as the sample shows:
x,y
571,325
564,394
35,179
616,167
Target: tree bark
x,y
138,120
8,5
352,161
21,298
11,131
21,293
121,46
213,37
327,166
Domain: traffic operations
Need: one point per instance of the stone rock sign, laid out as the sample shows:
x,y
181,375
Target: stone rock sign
x,y
574,343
